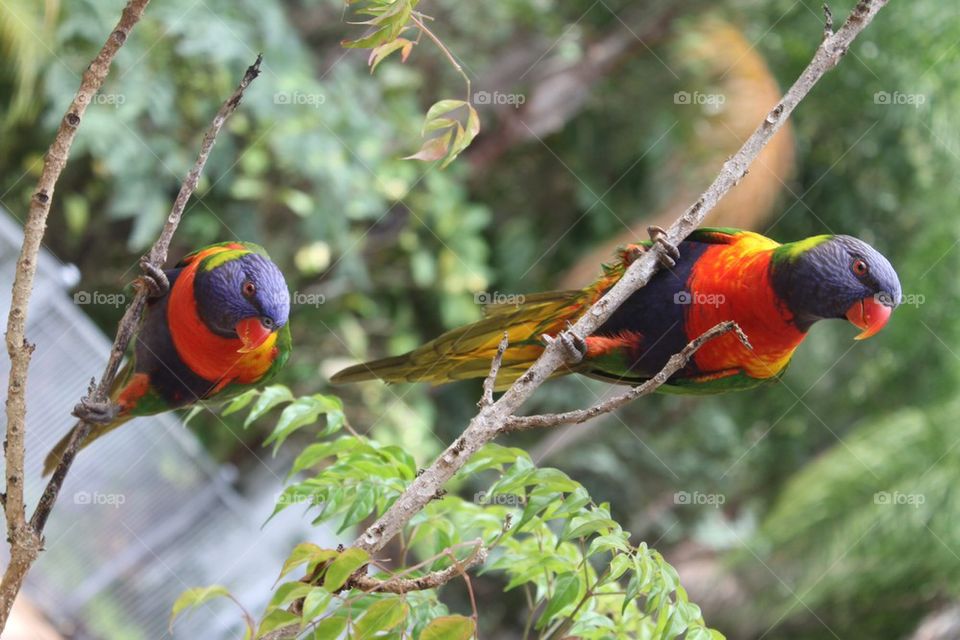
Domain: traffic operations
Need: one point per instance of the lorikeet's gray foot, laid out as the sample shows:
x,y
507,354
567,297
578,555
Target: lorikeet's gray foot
x,y
659,236
574,347
154,279
94,412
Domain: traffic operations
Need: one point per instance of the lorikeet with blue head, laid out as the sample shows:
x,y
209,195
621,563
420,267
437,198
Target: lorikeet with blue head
x,y
218,328
774,291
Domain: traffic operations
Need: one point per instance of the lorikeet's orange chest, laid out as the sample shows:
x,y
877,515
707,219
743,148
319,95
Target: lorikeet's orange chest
x,y
210,356
732,282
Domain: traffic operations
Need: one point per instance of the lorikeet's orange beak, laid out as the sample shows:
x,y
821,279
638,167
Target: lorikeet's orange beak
x,y
252,333
870,314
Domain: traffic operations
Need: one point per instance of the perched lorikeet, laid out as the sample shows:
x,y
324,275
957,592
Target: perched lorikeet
x,y
775,292
219,329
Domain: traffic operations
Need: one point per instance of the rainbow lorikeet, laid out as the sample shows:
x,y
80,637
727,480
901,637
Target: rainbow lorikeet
x,y
775,292
217,327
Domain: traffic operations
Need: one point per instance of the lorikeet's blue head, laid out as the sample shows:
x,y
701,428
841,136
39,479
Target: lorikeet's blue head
x,y
242,294
836,277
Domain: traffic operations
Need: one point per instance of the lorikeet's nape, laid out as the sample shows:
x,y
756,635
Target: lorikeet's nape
x,y
775,292
220,329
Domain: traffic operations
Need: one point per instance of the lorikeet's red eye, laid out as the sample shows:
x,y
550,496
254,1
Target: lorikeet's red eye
x,y
249,289
860,268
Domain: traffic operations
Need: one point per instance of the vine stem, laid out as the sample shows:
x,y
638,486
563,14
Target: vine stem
x,y
415,19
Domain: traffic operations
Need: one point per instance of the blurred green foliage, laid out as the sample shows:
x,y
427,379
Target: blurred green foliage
x,y
310,167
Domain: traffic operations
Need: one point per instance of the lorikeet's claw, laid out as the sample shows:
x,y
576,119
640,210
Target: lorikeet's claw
x,y
96,412
659,236
574,347
154,279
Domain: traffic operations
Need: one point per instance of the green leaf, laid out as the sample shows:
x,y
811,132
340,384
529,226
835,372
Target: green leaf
x,y
195,597
322,450
581,526
565,591
449,628
269,398
363,503
443,106
240,402
464,136
276,619
633,590
381,53
613,541
287,593
343,567
491,456
329,628
438,124
376,38
381,616
315,603
297,414
194,411
305,552
433,149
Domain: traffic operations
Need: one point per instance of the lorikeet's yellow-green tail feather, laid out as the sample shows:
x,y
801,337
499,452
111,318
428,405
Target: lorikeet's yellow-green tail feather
x,y
53,458
467,352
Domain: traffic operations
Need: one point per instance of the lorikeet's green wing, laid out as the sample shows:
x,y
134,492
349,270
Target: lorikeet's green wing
x,y
715,235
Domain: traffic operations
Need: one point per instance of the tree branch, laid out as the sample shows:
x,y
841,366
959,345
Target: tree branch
x,y
489,422
490,383
675,363
400,585
25,542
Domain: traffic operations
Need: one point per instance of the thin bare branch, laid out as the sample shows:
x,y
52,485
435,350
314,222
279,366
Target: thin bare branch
x,y
415,18
490,383
25,542
676,362
26,538
431,580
